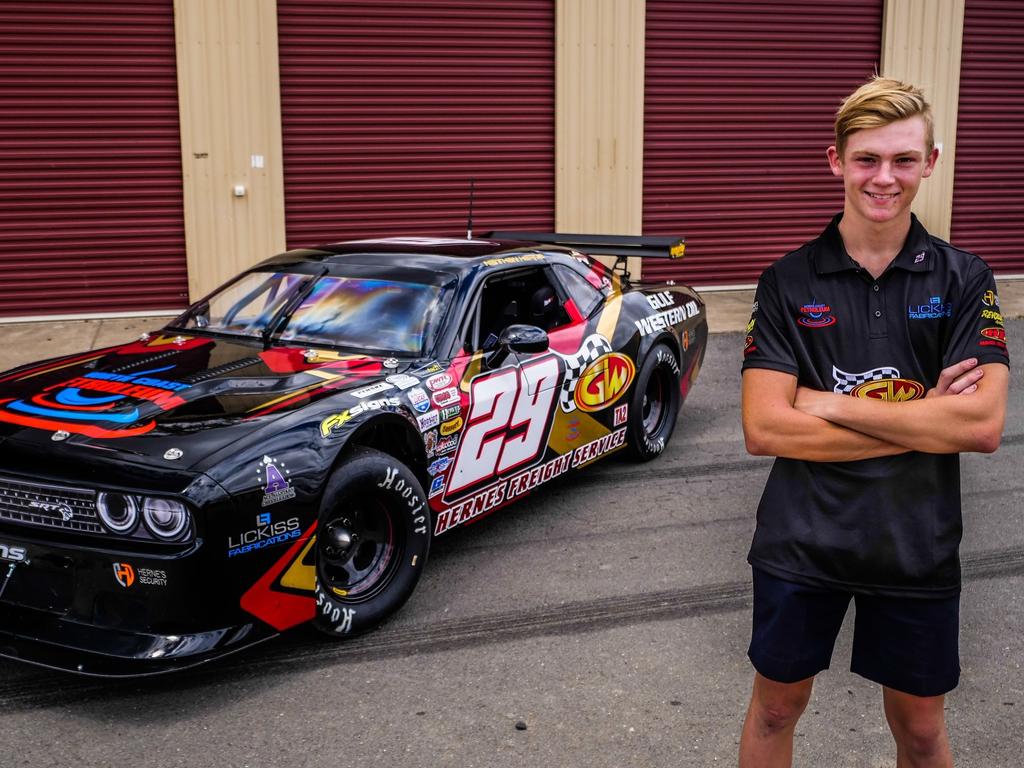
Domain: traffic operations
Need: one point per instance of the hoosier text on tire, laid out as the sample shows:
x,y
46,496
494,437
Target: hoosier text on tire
x,y
372,542
654,405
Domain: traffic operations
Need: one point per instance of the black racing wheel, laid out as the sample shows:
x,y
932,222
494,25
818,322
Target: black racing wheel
x,y
372,541
654,405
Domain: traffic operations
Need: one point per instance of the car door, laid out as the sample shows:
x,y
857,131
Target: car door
x,y
511,396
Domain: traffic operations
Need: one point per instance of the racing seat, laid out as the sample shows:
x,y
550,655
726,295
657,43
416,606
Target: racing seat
x,y
544,308
510,314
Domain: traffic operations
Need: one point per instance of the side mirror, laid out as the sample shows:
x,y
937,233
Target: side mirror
x,y
518,338
524,338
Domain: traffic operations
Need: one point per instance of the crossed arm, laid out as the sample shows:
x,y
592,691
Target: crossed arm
x,y
965,411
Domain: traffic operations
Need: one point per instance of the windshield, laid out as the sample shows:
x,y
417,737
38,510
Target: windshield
x,y
386,316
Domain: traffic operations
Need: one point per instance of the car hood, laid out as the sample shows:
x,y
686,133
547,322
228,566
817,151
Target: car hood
x,y
166,390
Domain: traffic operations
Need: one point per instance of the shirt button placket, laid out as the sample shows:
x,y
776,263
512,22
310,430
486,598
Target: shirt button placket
x,y
877,321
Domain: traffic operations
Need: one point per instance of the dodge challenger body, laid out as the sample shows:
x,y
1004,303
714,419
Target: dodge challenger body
x,y
285,451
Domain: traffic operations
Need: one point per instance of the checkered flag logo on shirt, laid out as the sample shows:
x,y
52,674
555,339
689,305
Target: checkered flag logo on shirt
x,y
847,382
592,348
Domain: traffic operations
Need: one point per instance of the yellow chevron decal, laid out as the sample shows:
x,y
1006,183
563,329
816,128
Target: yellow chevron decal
x,y
572,430
610,317
301,575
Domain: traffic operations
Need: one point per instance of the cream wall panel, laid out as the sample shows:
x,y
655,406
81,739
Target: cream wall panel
x,y
921,44
229,99
599,116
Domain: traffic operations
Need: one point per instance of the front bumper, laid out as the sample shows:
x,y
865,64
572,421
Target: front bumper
x,y
55,642
77,599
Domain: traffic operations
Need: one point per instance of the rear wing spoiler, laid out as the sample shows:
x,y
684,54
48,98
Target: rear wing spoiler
x,y
621,246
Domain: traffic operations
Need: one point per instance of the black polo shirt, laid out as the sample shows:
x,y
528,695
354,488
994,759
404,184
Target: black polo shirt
x,y
888,525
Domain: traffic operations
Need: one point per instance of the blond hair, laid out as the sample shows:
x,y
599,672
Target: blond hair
x,y
878,102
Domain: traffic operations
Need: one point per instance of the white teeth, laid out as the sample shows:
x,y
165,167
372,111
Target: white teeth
x,y
881,197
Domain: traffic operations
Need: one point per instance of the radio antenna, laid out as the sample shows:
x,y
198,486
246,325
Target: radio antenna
x,y
469,222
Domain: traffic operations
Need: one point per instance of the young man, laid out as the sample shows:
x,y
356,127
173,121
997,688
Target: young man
x,y
875,354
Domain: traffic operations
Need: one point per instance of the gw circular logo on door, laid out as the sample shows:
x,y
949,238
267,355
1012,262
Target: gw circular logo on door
x,y
604,381
896,390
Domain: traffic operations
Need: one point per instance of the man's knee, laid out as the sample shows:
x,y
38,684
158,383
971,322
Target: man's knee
x,y
778,706
920,734
917,724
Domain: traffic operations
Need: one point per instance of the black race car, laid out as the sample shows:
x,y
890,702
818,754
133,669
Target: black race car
x,y
285,450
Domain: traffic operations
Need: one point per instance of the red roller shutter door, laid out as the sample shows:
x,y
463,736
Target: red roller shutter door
x,y
91,216
988,185
740,99
390,108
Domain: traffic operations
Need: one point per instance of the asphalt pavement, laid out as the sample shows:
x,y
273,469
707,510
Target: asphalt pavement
x,y
601,622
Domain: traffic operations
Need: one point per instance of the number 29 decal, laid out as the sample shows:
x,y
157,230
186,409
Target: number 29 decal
x,y
508,422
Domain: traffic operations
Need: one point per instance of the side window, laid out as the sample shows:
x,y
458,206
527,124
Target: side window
x,y
586,296
518,296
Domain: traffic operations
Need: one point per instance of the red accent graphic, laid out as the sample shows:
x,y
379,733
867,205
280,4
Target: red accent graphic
x,y
79,429
567,339
293,360
281,610
574,313
816,322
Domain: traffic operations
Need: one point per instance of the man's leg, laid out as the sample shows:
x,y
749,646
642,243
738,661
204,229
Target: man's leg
x,y
910,646
775,708
793,632
918,725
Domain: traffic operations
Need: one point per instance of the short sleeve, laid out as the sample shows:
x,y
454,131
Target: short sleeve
x,y
767,344
978,329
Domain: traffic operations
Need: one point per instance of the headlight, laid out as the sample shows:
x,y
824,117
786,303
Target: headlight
x,y
118,512
165,518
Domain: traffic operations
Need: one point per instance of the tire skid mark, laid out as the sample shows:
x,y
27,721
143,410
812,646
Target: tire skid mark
x,y
677,472
34,689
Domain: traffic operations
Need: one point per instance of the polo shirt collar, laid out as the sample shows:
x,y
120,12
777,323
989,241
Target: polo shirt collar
x,y
916,255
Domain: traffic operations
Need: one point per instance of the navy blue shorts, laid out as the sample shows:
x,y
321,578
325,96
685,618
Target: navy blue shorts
x,y
908,644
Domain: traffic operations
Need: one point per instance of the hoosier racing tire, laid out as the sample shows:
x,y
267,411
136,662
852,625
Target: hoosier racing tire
x,y
372,542
654,405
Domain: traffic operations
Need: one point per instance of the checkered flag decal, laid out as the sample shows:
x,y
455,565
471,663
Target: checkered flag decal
x,y
846,382
592,348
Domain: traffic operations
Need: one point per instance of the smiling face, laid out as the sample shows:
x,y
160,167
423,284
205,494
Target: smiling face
x,y
881,170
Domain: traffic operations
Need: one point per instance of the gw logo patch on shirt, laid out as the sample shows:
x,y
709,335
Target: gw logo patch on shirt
x,y
882,383
933,310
